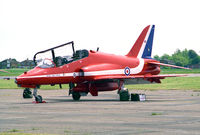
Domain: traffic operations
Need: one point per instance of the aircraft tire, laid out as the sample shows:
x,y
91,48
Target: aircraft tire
x,y
76,96
27,93
38,99
124,95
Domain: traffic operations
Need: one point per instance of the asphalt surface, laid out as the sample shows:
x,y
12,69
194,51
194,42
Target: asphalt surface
x,y
7,77
164,112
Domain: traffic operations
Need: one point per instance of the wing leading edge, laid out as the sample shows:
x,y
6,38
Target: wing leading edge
x,y
152,78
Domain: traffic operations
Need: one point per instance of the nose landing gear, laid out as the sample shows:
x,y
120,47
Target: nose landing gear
x,y
38,98
27,93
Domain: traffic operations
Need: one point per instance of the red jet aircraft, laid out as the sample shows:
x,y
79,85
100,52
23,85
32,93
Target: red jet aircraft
x,y
93,71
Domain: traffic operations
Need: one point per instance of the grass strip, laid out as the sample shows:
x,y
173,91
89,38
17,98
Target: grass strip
x,y
180,71
13,71
171,83
19,133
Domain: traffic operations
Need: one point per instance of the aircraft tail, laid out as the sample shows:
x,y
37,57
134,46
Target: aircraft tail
x,y
143,45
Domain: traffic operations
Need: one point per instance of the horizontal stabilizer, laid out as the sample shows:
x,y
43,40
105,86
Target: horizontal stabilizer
x,y
167,65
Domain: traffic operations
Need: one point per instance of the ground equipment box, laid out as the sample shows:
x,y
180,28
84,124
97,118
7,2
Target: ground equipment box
x,y
138,97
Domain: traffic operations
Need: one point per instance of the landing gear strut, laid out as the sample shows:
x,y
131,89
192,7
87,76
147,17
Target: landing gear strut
x,y
75,95
38,98
123,92
124,95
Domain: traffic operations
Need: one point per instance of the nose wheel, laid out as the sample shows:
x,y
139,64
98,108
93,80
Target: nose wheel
x,y
27,93
38,98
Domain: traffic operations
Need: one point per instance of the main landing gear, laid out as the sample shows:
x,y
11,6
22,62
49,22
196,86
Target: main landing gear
x,y
76,95
123,92
124,95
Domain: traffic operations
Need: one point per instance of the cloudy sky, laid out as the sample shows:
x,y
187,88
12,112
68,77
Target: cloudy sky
x,y
29,26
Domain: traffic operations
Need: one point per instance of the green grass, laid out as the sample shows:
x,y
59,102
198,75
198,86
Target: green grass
x,y
154,113
171,83
10,84
13,72
180,71
19,133
23,132
14,130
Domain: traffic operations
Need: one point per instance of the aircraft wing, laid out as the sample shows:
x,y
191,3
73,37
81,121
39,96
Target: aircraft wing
x,y
148,76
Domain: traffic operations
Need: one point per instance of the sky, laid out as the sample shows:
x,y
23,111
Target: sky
x,y
29,26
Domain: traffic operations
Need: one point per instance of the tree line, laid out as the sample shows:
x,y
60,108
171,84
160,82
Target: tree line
x,y
185,58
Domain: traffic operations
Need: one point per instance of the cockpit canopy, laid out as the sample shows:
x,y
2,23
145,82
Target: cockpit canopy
x,y
79,54
58,56
46,63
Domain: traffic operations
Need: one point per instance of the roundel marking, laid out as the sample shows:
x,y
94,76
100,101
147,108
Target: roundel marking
x,y
127,71
74,75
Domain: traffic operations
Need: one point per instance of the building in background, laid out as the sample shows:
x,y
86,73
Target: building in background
x,y
13,63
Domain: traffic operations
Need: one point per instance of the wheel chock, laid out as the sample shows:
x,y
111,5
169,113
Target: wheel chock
x,y
36,102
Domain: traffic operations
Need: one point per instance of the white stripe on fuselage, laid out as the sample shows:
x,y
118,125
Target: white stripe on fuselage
x,y
133,71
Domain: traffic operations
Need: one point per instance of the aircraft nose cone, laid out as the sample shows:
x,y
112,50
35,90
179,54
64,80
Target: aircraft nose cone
x,y
20,80
16,80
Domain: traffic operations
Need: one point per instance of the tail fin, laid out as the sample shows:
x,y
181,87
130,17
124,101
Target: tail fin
x,y
143,45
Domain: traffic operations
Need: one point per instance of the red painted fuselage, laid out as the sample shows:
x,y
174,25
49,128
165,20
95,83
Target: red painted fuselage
x,y
97,64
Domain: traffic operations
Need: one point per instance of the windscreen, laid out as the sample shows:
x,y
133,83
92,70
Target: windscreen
x,y
46,63
59,56
42,56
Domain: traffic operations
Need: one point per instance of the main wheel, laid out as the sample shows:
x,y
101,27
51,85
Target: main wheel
x,y
76,95
38,99
27,93
124,95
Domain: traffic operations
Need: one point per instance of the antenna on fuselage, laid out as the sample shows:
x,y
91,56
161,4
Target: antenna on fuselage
x,y
97,49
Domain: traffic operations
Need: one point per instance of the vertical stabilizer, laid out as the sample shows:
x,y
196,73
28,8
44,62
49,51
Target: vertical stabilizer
x,y
143,45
